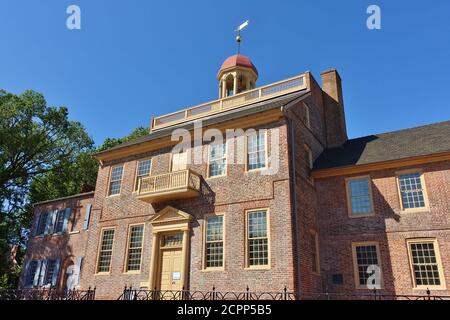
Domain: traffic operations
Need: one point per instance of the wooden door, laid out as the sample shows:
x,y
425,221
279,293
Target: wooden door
x,y
171,265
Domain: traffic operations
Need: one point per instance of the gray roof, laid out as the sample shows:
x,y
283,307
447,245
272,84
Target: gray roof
x,y
418,141
218,118
79,195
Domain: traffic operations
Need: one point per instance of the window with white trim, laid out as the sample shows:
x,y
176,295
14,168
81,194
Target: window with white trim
x,y
105,252
116,180
143,170
359,196
412,190
31,272
217,159
366,255
42,224
214,242
50,271
257,238
135,242
425,263
256,150
59,223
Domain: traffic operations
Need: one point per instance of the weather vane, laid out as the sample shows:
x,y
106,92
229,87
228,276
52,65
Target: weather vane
x,y
238,37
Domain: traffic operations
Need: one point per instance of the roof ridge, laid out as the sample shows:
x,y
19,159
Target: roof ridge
x,y
402,130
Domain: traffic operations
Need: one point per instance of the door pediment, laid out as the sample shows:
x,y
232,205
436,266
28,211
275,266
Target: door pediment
x,y
170,215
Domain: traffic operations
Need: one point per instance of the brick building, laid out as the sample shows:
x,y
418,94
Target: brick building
x,y
267,192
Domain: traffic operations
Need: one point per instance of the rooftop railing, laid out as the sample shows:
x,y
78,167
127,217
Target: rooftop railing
x,y
239,100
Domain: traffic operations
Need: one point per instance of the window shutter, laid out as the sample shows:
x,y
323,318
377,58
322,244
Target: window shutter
x,y
87,217
38,273
79,264
56,272
36,223
26,274
66,219
51,227
48,223
42,272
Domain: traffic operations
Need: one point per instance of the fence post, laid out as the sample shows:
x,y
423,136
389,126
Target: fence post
x,y
285,293
247,294
429,294
375,294
213,294
154,294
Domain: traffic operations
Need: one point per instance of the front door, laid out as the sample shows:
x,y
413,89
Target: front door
x,y
171,269
171,262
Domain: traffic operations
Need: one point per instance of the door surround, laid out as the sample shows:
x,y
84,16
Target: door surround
x,y
169,220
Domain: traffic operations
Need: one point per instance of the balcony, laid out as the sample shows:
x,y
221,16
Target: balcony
x,y
169,186
239,100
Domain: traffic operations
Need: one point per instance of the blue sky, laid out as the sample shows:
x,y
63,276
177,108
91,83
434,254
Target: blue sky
x,y
134,59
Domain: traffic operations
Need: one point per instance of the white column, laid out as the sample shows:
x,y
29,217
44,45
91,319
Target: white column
x,y
224,87
235,83
154,261
186,253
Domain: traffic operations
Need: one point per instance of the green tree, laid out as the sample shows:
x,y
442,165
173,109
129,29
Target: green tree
x,y
43,156
35,141
113,142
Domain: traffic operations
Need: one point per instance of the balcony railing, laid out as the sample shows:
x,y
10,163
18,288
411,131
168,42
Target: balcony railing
x,y
169,186
239,100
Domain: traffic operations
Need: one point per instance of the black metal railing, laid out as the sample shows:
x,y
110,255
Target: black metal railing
x,y
47,294
371,295
140,294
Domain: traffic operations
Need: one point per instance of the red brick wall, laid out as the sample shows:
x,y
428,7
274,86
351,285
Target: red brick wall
x,y
390,227
232,195
66,246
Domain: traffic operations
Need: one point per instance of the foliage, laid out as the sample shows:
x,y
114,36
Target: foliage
x,y
36,142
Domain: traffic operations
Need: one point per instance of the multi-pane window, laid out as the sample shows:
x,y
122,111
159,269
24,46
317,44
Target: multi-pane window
x,y
314,252
256,150
42,223
31,272
214,242
217,159
425,263
116,180
50,272
257,238
411,190
106,248
135,248
59,223
172,240
143,170
366,255
359,196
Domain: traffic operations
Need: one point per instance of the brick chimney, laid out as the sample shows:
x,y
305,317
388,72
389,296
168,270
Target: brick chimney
x,y
333,108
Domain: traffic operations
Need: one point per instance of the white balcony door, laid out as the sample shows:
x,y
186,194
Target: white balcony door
x,y
179,161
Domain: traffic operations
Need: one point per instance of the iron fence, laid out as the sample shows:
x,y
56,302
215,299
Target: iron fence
x,y
140,294
47,294
371,295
